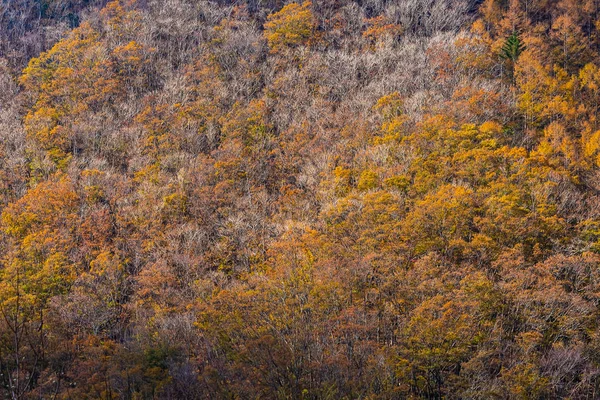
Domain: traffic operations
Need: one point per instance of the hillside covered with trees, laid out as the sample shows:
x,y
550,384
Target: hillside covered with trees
x,y
263,199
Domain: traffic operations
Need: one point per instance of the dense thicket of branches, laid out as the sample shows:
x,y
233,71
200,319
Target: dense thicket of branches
x,y
372,199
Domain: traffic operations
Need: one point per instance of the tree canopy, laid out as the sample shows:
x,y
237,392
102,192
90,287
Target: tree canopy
x,y
282,200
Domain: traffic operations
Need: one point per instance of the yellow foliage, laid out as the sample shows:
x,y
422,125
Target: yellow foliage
x,y
400,182
342,180
41,224
290,27
591,148
589,76
368,180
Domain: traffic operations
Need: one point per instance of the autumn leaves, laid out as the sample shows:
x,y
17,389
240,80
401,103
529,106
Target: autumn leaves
x,y
332,200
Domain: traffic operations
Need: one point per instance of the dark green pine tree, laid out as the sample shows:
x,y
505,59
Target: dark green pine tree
x,y
512,48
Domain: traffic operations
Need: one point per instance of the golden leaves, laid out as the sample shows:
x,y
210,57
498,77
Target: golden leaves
x,y
290,27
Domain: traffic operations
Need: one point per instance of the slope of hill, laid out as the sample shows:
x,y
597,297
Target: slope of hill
x,y
342,199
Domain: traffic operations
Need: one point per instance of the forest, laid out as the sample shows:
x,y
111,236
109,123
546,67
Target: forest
x,y
272,199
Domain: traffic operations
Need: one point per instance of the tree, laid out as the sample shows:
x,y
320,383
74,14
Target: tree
x,y
35,269
290,27
512,48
